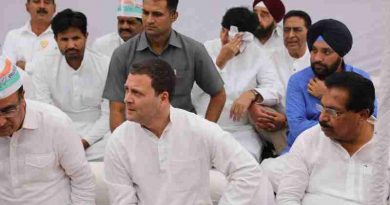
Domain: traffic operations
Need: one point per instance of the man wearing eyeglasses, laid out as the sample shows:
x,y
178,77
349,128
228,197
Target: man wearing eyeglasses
x,y
41,158
328,41
331,163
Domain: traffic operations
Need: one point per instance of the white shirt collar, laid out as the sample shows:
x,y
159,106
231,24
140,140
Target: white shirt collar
x,y
27,28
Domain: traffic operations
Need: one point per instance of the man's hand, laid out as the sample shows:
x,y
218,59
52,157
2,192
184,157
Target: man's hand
x,y
316,88
241,105
21,64
267,120
85,144
229,50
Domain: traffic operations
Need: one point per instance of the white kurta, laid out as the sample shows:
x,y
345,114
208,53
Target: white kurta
x,y
142,169
286,66
320,171
43,163
107,44
28,86
23,44
78,93
274,42
251,69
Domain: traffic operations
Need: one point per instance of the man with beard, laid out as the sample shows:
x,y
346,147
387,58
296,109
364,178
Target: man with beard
x,y
271,122
23,44
332,162
328,41
248,73
74,79
269,33
129,16
188,57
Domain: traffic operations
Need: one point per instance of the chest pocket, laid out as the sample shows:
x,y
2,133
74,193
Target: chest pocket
x,y
39,167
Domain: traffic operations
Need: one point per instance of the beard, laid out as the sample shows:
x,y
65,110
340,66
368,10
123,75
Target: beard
x,y
322,71
264,32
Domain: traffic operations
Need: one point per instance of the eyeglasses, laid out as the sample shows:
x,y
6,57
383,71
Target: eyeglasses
x,y
11,111
329,111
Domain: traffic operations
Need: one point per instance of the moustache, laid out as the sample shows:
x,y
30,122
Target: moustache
x,y
71,50
42,11
325,125
318,64
122,30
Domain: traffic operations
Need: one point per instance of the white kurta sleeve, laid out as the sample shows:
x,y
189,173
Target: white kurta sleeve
x,y
101,126
295,180
247,184
72,160
9,48
42,90
120,185
269,86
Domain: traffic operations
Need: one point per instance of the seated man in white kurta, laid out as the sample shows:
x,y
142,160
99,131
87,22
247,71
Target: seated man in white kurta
x,y
162,155
248,74
41,157
332,163
129,16
73,80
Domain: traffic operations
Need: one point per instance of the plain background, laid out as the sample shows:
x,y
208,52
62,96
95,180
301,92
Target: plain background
x,y
200,19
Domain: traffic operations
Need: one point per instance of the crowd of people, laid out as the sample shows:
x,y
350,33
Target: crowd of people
x,y
271,105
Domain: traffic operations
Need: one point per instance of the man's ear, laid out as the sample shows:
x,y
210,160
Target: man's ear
x,y
364,114
174,16
164,97
28,11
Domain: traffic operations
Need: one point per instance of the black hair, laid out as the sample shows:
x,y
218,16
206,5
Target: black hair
x,y
162,75
172,4
242,18
361,91
298,13
51,0
69,18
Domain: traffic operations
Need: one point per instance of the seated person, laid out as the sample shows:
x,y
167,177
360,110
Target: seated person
x,y
73,81
328,41
332,162
271,122
248,74
42,160
162,155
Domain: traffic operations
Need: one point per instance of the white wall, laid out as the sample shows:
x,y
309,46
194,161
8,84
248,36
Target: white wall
x,y
200,19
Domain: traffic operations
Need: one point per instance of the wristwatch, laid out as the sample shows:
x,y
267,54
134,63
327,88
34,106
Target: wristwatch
x,y
256,94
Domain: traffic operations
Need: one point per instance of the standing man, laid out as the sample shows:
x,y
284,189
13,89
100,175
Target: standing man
x,y
271,123
73,80
162,155
188,57
332,162
35,37
41,158
129,16
269,33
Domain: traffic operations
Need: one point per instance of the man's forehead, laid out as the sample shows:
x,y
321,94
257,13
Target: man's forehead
x,y
294,21
261,9
335,97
